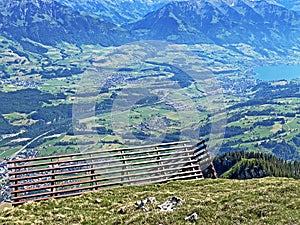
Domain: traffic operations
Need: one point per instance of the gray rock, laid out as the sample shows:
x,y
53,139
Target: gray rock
x,y
142,203
169,205
122,210
151,200
192,217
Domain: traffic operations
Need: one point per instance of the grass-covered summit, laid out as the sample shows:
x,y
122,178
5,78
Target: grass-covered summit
x,y
221,201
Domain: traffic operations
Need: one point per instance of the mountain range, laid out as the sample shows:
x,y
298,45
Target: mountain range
x,y
49,22
261,24
118,12
290,4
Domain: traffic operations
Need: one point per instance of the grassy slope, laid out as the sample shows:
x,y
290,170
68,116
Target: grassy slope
x,y
256,201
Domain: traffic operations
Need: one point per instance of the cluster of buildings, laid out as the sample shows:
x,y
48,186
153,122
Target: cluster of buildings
x,y
4,182
4,185
20,83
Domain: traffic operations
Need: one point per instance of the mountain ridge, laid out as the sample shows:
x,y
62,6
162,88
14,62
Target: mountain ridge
x,y
49,22
262,25
191,22
120,12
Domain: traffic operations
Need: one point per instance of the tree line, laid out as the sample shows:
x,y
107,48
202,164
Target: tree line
x,y
246,165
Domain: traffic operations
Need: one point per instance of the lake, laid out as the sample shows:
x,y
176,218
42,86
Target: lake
x,y
277,72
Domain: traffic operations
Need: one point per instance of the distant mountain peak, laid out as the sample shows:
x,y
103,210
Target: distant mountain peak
x,y
117,12
24,2
259,23
255,22
49,22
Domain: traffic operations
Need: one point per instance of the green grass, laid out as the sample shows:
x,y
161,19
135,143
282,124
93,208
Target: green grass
x,y
7,152
256,201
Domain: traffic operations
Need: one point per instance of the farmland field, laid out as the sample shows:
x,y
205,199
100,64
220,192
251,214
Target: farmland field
x,y
93,97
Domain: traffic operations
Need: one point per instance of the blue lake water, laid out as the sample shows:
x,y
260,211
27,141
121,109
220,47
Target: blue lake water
x,y
278,72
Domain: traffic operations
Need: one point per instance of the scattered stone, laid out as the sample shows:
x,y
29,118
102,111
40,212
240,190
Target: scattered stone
x,y
169,205
192,217
142,204
6,208
56,210
98,201
151,200
144,208
122,210
60,217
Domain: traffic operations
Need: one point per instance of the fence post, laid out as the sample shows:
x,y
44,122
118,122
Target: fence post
x,y
52,178
212,168
16,182
124,167
92,171
159,163
197,165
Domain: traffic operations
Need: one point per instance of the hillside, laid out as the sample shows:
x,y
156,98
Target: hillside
x,y
221,201
247,165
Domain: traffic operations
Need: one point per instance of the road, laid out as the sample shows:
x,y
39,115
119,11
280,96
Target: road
x,y
33,140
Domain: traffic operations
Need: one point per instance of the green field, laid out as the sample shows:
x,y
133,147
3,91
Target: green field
x,y
142,94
